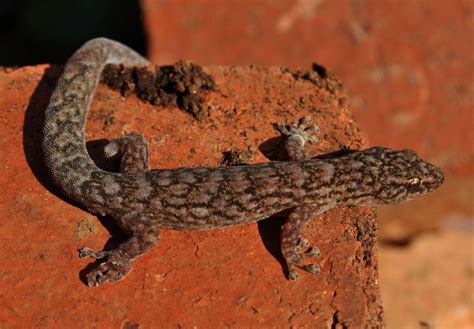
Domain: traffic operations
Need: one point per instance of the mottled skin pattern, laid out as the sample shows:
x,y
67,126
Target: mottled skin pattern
x,y
141,201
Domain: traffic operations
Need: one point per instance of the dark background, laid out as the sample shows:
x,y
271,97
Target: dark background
x,y
48,31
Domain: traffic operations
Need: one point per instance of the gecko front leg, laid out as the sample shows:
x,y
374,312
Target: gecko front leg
x,y
295,136
132,152
118,261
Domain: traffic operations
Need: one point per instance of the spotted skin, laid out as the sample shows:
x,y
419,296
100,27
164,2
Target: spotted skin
x,y
203,198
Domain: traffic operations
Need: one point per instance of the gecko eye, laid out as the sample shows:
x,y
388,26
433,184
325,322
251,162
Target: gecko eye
x,y
411,154
415,181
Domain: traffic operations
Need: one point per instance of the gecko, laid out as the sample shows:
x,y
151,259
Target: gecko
x,y
143,201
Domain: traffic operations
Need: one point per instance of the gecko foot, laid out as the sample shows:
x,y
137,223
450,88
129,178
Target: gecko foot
x,y
115,268
301,128
296,259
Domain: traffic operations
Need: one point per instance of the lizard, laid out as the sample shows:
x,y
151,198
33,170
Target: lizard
x,y
143,201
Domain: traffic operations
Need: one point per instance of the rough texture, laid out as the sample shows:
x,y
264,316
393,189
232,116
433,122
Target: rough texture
x,y
141,202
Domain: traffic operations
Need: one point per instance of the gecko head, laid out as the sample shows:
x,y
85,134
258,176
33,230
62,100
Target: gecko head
x,y
402,175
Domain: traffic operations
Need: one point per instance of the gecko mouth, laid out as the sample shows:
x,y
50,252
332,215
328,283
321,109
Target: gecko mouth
x,y
438,176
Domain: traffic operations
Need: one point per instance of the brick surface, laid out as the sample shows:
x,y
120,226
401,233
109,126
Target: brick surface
x,y
221,278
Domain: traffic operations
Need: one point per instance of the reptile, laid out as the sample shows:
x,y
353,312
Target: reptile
x,y
143,201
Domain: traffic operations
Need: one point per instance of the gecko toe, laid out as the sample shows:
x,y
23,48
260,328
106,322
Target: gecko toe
x,y
302,243
304,121
311,252
87,252
301,128
91,253
292,274
281,128
311,268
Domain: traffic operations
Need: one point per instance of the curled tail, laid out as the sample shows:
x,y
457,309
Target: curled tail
x,y
63,144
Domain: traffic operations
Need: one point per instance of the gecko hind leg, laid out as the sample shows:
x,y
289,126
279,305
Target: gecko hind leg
x,y
132,151
292,242
118,261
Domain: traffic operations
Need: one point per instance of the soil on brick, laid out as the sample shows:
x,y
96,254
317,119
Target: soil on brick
x,y
178,85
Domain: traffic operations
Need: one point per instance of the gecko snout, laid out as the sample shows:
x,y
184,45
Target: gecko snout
x,y
437,176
